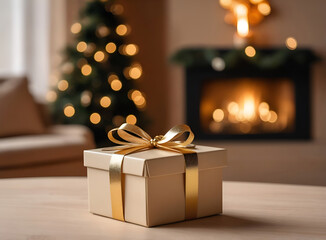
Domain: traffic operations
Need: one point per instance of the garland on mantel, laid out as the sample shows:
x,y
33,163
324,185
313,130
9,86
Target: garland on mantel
x,y
264,59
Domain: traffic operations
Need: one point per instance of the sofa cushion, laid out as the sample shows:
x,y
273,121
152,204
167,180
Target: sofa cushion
x,y
19,113
60,143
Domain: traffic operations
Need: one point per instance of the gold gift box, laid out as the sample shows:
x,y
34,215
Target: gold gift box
x,y
154,184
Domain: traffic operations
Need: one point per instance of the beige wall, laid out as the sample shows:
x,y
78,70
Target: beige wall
x,y
200,23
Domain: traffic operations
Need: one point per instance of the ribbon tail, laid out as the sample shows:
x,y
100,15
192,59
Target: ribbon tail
x,y
191,184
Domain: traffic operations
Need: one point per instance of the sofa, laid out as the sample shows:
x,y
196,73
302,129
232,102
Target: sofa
x,y
30,146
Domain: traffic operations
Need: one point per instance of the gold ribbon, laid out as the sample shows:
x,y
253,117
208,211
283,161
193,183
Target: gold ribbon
x,y
134,139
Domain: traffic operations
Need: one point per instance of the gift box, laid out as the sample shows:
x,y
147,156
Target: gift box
x,y
155,185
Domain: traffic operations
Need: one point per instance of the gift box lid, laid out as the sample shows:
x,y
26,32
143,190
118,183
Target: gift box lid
x,y
156,162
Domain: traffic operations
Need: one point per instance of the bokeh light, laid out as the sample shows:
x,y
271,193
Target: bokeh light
x,y
95,118
131,119
63,85
110,47
99,56
250,51
116,85
69,111
86,70
122,30
76,28
291,43
105,101
81,46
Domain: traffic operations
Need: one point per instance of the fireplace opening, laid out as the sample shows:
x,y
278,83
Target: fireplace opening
x,y
266,96
247,106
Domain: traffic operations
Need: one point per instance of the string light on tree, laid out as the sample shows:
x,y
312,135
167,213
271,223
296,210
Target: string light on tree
x,y
96,72
69,110
105,101
51,96
131,119
122,30
85,98
110,47
63,85
116,9
81,46
116,85
76,28
135,71
131,49
99,56
86,70
95,118
102,31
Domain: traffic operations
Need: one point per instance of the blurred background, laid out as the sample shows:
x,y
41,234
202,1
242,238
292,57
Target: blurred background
x,y
248,75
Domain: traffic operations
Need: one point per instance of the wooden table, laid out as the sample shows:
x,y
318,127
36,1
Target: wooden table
x,y
56,208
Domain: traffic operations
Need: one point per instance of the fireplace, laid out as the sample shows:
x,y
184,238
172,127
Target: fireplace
x,y
245,99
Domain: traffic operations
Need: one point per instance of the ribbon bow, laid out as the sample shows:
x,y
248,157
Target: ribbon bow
x,y
136,139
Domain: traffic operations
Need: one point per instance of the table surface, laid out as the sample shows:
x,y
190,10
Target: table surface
x,y
56,208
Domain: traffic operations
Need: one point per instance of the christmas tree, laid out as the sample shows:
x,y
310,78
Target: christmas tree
x,y
97,88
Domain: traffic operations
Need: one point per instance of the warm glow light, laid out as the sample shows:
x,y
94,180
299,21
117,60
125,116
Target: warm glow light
x,y
241,10
226,3
90,49
250,51
63,85
110,47
121,30
291,43
233,108
249,108
273,117
86,98
105,101
76,28
135,94
218,115
264,8
99,56
242,27
81,46
69,111
263,108
86,70
140,101
131,49
117,9
218,64
255,1
51,96
95,118
135,71
103,31
112,77
131,119
116,85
